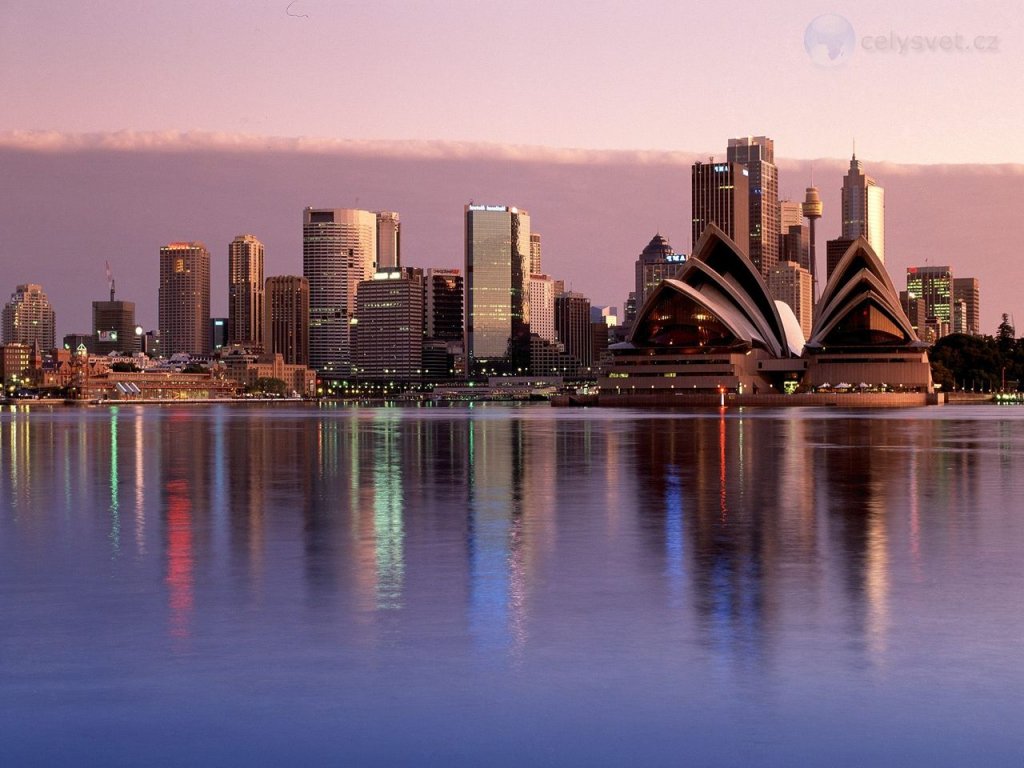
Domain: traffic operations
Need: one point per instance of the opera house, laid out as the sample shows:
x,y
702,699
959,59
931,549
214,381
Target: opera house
x,y
716,332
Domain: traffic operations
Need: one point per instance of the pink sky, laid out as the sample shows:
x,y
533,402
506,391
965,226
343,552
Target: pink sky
x,y
154,117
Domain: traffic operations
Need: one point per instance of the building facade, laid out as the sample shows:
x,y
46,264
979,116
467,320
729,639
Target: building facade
x,y
388,334
572,324
542,307
389,240
245,292
339,248
934,287
790,282
286,328
657,261
757,155
721,196
535,265
497,289
28,318
863,208
443,295
967,290
184,300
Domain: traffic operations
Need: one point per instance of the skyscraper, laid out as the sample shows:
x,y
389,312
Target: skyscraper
x,y
863,208
388,335
286,328
572,324
834,251
967,290
535,266
245,292
757,155
790,282
656,262
721,195
443,295
184,300
29,319
113,323
934,286
542,307
497,292
389,240
339,247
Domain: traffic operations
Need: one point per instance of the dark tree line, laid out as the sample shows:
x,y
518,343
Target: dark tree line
x,y
981,363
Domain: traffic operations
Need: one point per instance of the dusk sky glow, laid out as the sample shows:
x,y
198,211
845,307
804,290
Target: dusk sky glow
x,y
514,83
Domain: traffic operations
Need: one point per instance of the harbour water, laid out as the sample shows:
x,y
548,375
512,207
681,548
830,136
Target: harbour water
x,y
511,585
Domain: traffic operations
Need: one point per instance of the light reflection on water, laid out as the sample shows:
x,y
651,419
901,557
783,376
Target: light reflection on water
x,y
511,584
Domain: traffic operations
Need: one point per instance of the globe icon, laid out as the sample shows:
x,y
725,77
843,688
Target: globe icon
x,y
829,40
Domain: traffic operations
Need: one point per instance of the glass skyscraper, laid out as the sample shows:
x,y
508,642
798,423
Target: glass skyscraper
x,y
863,208
757,155
497,288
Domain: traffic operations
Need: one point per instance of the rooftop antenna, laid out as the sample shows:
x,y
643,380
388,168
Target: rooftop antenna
x,y
110,280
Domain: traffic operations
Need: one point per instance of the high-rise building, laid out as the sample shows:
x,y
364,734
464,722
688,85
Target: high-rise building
x,y
572,324
542,307
795,246
443,295
286,330
933,285
863,208
220,332
389,240
497,289
721,195
339,247
184,300
656,262
29,319
967,290
757,155
834,251
113,326
791,283
535,266
388,334
245,292
790,215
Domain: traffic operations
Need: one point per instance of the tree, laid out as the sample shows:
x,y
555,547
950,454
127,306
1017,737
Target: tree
x,y
267,385
1006,336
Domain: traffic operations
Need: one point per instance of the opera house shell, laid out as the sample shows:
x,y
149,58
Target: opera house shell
x,y
717,329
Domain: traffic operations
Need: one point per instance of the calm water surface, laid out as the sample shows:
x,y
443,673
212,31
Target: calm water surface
x,y
511,586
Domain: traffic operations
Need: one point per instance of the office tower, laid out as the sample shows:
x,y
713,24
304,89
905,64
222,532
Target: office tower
x,y
721,195
184,301
795,246
245,292
834,251
790,282
863,208
757,155
535,268
790,215
497,290
572,324
967,290
606,314
389,240
542,307
339,247
286,329
933,285
812,210
388,334
220,332
656,262
29,319
113,326
914,309
443,294
15,359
